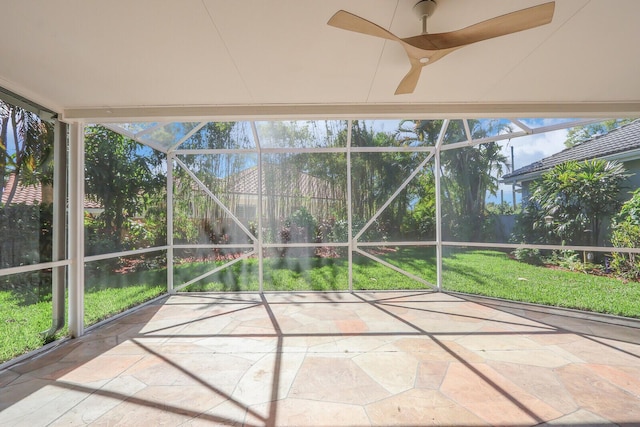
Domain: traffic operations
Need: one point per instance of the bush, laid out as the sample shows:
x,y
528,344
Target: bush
x,y
530,256
303,226
571,260
576,196
528,228
26,232
626,234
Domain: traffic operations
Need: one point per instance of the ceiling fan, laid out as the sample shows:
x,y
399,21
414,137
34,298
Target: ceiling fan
x,y
427,48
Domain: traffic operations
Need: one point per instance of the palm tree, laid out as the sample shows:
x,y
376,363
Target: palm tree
x,y
30,155
467,174
577,196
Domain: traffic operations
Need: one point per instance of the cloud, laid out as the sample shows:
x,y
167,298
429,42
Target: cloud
x,y
527,150
531,148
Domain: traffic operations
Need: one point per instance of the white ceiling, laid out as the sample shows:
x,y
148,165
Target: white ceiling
x,y
88,58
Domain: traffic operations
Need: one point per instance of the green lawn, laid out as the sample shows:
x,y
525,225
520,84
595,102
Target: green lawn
x,y
494,274
481,272
22,322
310,274
20,325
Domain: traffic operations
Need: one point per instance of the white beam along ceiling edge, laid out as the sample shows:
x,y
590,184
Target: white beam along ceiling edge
x,y
352,111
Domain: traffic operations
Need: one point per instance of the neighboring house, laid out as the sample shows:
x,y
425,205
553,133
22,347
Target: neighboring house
x,y
34,195
621,144
283,191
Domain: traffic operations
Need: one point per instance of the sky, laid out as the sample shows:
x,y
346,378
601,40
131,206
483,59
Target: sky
x,y
526,150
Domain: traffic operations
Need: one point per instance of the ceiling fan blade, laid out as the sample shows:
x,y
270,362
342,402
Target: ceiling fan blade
x,y
499,26
410,81
348,21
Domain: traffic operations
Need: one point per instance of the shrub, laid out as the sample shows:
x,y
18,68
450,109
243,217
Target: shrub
x,y
530,256
26,232
571,260
528,229
576,196
303,226
626,234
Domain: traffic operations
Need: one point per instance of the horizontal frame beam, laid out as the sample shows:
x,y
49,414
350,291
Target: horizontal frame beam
x,y
353,111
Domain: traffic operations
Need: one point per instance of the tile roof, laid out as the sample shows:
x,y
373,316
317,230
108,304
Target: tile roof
x,y
278,181
32,194
620,140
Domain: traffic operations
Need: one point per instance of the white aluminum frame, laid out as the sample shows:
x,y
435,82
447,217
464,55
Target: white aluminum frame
x,y
352,244
76,257
76,230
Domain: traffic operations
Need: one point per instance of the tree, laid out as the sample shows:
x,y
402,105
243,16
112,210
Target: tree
x,y
120,174
579,134
376,176
423,212
573,198
28,152
468,174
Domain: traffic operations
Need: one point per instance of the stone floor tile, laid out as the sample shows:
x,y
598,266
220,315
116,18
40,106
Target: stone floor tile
x,y
488,340
91,347
553,337
444,326
396,372
307,343
595,394
421,408
492,397
431,374
338,380
219,372
132,412
540,382
532,357
268,379
579,418
614,332
228,413
432,349
310,413
600,351
104,367
18,391
625,377
350,344
340,359
156,370
562,352
231,345
100,401
42,406
207,326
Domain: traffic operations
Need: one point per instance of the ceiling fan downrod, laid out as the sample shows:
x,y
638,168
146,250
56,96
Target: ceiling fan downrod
x,y
424,9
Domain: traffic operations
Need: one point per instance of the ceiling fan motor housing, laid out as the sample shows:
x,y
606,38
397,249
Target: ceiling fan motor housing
x,y
424,8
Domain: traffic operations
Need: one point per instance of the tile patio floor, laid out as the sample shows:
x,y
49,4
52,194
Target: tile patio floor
x,y
334,359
